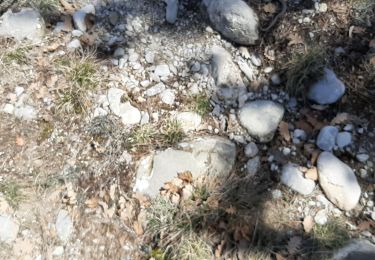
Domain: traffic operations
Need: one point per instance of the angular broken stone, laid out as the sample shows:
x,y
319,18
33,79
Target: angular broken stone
x,y
293,178
261,118
206,156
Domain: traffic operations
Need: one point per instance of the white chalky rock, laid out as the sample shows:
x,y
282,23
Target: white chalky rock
x,y
327,90
338,181
293,178
25,24
155,90
162,70
261,118
64,225
189,121
234,19
74,44
167,97
8,229
25,112
327,138
343,139
8,108
129,114
321,217
251,150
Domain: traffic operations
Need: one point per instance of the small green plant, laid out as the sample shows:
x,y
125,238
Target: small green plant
x,y
172,132
12,192
18,56
83,73
200,104
143,135
332,235
73,100
304,69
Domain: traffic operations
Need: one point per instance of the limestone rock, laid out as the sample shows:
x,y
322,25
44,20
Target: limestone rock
x,y
189,121
261,118
129,114
293,178
8,229
338,181
64,225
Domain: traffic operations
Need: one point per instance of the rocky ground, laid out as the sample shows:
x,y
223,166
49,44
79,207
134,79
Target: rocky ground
x,y
147,129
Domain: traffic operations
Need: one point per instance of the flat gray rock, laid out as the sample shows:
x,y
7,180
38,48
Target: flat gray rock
x,y
64,225
206,156
25,24
8,229
338,181
261,118
327,90
234,19
356,250
326,139
293,178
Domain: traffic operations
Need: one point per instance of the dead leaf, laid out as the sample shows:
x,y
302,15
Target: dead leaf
x,y
372,61
284,131
186,176
231,210
372,43
295,39
138,228
67,6
305,127
312,174
169,186
20,141
308,223
279,257
270,8
213,202
219,249
343,118
92,202
294,244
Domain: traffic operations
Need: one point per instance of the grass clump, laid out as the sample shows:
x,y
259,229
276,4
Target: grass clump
x,y
172,132
304,69
143,135
18,56
12,192
200,104
332,235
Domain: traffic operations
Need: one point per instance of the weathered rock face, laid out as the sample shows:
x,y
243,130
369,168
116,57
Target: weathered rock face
x,y
261,118
293,178
234,19
327,90
26,24
227,76
338,181
208,156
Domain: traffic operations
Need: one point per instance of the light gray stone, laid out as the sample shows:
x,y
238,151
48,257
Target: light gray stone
x,y
338,181
8,108
74,44
327,90
189,121
321,217
25,112
359,249
25,24
326,139
234,19
58,251
155,90
293,178
252,166
8,229
343,139
64,225
129,114
203,157
167,97
362,157
171,10
80,15
162,70
251,150
261,118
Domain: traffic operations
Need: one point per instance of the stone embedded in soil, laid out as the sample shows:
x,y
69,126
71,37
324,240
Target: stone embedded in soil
x,y
343,139
171,11
252,166
359,249
338,181
189,121
326,139
79,17
204,156
25,24
293,178
155,90
129,114
74,44
162,70
261,118
8,229
64,225
25,112
234,19
321,217
167,97
327,90
251,150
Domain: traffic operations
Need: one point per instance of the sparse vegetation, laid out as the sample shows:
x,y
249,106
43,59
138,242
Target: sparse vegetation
x,y
18,56
304,69
172,132
143,135
47,129
12,192
332,235
200,104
